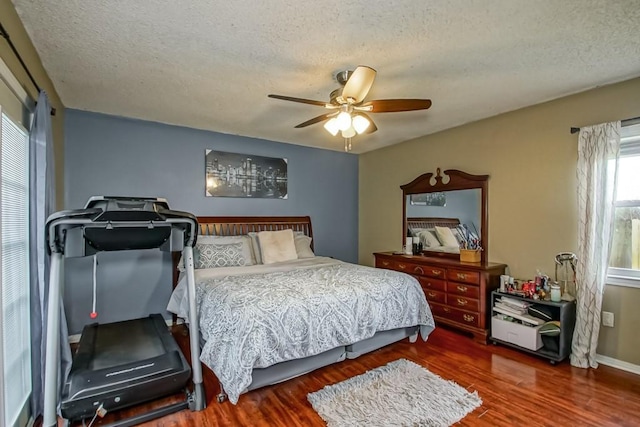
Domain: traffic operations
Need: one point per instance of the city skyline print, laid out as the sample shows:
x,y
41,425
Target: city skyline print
x,y
243,175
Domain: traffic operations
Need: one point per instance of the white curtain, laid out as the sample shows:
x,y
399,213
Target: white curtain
x,y
598,153
41,205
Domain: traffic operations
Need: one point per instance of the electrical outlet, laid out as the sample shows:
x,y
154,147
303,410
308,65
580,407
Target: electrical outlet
x,y
607,319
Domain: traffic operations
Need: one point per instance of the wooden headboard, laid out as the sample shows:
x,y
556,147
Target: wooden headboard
x,y
432,222
243,225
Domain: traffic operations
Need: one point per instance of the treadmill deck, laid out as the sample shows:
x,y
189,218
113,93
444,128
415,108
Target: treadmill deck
x,y
122,364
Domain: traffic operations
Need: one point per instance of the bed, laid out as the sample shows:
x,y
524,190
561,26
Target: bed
x,y
423,229
268,322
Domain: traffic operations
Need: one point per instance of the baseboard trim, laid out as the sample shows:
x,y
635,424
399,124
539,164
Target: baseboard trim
x,y
75,338
618,364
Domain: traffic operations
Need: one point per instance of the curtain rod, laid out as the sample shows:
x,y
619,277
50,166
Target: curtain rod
x,y
625,122
5,35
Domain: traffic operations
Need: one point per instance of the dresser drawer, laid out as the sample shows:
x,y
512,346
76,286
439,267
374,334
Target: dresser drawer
x,y
439,309
385,263
464,317
430,271
465,276
421,270
469,291
435,296
433,284
463,302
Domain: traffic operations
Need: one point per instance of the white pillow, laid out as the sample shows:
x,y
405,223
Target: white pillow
x,y
415,232
428,239
446,237
303,246
277,246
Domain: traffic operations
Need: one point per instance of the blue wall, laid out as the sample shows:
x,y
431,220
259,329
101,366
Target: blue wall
x,y
107,155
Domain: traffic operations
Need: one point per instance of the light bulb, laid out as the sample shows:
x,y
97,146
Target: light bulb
x,y
343,120
332,126
349,133
360,123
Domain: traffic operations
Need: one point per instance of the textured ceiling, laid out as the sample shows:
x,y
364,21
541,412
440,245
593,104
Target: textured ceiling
x,y
210,64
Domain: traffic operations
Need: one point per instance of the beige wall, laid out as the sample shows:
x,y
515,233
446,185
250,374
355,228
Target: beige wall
x,y
20,39
531,159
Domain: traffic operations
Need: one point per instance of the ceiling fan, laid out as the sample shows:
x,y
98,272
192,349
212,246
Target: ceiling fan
x,y
349,110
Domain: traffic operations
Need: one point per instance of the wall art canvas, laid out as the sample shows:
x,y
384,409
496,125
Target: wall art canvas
x,y
429,199
243,175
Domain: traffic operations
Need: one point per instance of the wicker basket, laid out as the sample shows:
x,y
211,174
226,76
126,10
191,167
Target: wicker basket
x,y
468,255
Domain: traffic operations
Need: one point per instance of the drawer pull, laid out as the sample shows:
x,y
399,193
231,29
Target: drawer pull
x,y
462,301
462,276
436,272
447,309
385,263
402,266
468,318
431,294
418,270
462,288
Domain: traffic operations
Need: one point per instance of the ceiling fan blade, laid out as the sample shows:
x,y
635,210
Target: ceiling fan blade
x,y
359,83
316,120
301,100
396,105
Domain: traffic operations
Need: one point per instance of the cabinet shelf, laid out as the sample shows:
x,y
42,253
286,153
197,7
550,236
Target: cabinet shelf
x,y
556,348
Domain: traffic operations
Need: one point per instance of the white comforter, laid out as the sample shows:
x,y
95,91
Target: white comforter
x,y
257,316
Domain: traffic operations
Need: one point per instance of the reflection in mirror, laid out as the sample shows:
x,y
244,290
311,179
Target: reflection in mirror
x,y
444,210
463,205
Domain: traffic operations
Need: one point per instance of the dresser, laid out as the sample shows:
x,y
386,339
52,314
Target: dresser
x,y
459,293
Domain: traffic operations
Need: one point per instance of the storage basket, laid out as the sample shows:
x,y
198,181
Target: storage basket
x,y
468,255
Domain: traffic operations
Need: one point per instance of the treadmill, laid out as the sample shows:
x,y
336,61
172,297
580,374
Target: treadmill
x,y
123,363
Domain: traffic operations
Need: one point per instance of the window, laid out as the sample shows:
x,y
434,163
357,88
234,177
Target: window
x,y
15,348
624,263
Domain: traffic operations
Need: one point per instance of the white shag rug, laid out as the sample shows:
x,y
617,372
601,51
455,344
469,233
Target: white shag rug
x,y
400,393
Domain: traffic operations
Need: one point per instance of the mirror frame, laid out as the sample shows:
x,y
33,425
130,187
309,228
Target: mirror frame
x,y
457,180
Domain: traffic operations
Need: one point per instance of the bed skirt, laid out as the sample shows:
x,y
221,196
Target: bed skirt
x,y
262,377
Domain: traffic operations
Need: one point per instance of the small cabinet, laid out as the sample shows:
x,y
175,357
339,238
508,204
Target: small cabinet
x,y
527,336
458,292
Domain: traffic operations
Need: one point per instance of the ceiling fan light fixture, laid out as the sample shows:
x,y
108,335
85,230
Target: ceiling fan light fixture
x,y
360,123
332,126
343,121
349,133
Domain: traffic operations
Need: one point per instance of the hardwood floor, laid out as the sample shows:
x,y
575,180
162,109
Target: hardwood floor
x,y
516,389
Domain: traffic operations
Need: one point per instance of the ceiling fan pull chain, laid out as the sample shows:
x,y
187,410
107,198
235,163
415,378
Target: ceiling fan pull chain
x,y
347,144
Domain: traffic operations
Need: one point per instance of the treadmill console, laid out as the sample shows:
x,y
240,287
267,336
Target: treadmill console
x,y
109,223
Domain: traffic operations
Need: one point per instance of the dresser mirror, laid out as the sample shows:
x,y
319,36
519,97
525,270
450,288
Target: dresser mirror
x,y
451,199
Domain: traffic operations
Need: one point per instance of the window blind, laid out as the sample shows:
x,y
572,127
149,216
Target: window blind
x,y
14,270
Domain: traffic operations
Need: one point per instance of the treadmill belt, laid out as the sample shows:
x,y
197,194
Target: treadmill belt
x,y
123,364
125,342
